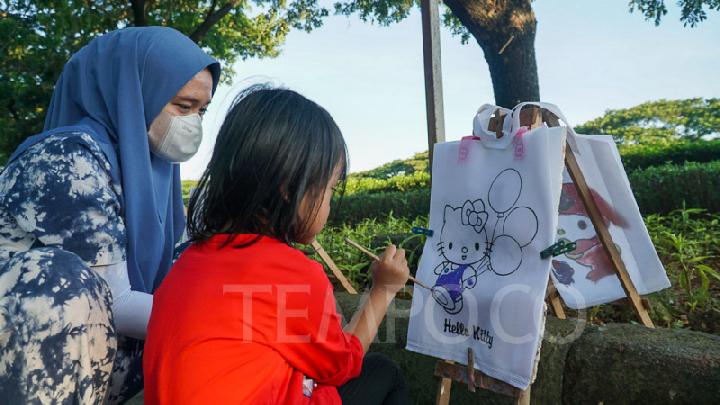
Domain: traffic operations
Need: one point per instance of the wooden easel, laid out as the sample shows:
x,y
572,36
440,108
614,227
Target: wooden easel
x,y
448,371
333,267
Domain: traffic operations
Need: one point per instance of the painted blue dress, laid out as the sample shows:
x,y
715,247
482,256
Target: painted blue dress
x,y
60,213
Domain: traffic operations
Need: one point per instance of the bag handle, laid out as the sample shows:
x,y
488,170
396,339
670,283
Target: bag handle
x,y
481,122
549,107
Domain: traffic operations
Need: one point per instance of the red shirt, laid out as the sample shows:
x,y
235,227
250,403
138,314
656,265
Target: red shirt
x,y
246,325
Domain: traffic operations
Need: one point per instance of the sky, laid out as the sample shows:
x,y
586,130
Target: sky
x,y
592,55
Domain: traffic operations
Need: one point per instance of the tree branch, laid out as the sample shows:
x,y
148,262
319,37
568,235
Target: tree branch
x,y
212,18
138,7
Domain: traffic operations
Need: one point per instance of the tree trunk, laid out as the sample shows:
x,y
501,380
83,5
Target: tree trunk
x,y
514,72
505,30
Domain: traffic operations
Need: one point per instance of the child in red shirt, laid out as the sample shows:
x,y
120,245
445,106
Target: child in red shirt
x,y
243,317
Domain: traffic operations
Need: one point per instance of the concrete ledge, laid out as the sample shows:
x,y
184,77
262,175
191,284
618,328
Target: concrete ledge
x,y
616,363
622,363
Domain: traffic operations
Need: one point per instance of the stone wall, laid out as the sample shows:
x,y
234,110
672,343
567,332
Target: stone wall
x,y
611,364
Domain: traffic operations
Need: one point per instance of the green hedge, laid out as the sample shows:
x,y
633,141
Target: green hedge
x,y
658,190
661,189
642,156
633,157
417,163
401,182
352,209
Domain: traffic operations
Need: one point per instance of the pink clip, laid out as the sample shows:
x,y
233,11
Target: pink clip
x,y
518,142
464,151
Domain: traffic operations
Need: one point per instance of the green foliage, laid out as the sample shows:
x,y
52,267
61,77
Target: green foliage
x,y
383,12
640,156
455,25
688,243
691,11
662,189
39,36
661,121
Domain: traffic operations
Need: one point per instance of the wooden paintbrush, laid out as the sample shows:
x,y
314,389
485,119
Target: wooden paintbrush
x,y
375,257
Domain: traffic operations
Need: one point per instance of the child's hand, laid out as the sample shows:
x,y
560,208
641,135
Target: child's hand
x,y
391,272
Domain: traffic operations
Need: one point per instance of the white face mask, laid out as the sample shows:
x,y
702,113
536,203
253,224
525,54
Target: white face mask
x,y
175,138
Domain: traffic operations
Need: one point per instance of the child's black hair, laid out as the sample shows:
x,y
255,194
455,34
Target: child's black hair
x,y
274,148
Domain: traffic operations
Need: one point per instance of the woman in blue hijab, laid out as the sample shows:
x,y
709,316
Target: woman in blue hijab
x,y
90,212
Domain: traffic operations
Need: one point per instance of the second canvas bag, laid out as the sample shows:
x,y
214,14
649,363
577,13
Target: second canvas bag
x,y
493,210
585,276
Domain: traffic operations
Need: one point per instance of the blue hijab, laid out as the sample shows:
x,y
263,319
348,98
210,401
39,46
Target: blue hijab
x,y
112,89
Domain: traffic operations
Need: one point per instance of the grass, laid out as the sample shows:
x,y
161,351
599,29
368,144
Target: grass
x,y
688,243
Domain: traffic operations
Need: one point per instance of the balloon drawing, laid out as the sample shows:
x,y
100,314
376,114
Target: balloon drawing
x,y
469,246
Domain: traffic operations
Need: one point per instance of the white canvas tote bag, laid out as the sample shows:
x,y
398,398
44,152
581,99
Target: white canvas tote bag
x,y
585,277
494,208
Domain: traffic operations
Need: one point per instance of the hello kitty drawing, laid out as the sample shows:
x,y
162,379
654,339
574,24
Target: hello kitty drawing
x,y
472,242
463,245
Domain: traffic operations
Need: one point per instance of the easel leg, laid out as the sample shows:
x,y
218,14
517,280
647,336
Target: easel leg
x,y
555,302
524,398
443,394
333,267
604,236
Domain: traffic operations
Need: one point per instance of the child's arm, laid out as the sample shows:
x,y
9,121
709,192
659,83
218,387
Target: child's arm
x,y
389,275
